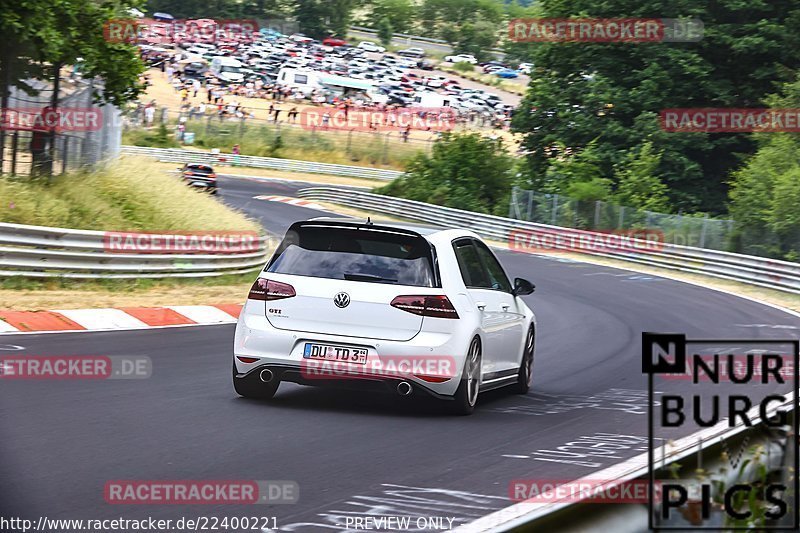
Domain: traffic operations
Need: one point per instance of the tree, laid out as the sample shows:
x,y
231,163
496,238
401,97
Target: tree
x,y
39,38
447,18
476,39
401,13
614,92
385,31
311,16
638,186
465,171
764,199
323,18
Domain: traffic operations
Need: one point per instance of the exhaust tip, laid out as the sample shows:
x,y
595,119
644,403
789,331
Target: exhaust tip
x,y
266,375
404,388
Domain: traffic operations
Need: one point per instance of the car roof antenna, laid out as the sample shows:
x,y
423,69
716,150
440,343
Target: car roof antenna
x,y
369,222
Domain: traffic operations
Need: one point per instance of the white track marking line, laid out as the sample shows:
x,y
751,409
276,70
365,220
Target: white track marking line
x,y
93,319
202,314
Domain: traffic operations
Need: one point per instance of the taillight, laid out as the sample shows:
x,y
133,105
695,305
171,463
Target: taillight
x,y
267,289
188,173
433,306
212,176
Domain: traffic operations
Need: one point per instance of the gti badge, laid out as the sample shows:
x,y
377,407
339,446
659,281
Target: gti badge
x,y
342,299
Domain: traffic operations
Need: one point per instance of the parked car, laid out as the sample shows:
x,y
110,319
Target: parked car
x,y
195,69
200,176
371,47
417,53
506,73
525,68
334,41
461,58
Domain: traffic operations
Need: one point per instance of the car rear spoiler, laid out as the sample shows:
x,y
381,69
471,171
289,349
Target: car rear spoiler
x,y
368,225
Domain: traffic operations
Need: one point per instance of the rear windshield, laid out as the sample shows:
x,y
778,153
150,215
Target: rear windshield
x,y
200,168
356,255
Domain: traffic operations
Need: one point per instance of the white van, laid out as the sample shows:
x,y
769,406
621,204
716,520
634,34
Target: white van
x,y
432,99
227,69
303,79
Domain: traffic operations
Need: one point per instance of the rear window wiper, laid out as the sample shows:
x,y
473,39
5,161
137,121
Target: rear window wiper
x,y
366,277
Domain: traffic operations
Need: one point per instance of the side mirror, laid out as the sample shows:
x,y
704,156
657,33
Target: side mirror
x,y
523,287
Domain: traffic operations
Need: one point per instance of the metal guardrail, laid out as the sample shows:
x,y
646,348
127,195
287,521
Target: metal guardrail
x,y
177,155
770,273
45,252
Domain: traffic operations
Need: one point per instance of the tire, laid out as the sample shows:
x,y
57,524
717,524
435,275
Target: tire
x,y
253,388
467,393
525,374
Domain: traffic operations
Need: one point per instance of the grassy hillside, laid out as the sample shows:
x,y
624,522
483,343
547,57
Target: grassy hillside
x,y
129,194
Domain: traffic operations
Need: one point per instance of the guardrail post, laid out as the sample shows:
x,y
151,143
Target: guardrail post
x,y
554,214
703,232
597,214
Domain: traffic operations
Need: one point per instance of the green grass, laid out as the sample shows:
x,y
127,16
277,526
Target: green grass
x,y
121,285
126,195
290,142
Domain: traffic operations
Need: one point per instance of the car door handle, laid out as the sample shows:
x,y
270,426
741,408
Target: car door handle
x,y
481,306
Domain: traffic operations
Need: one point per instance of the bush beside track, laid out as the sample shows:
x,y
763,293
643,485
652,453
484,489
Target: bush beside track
x,y
127,195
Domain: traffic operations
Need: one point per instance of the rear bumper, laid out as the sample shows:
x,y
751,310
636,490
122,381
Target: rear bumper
x,y
430,361
366,383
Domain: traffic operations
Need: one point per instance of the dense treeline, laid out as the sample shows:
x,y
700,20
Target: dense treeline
x,y
591,113
471,26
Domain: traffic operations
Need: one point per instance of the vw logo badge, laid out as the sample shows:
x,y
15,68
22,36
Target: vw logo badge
x,y
342,299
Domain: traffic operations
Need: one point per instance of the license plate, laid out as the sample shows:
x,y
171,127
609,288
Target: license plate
x,y
335,353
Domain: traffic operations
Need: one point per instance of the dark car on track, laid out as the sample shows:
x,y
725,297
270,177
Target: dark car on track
x,y
200,175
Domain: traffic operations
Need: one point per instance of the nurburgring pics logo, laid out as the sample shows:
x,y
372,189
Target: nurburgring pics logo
x,y
733,384
722,120
376,119
544,241
187,242
48,119
605,30
200,492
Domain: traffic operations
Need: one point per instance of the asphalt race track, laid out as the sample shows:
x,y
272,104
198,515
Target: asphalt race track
x,y
351,455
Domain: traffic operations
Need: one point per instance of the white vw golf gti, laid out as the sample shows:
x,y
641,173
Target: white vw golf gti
x,y
387,306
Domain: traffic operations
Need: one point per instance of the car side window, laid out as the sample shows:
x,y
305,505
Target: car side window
x,y
472,270
497,277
